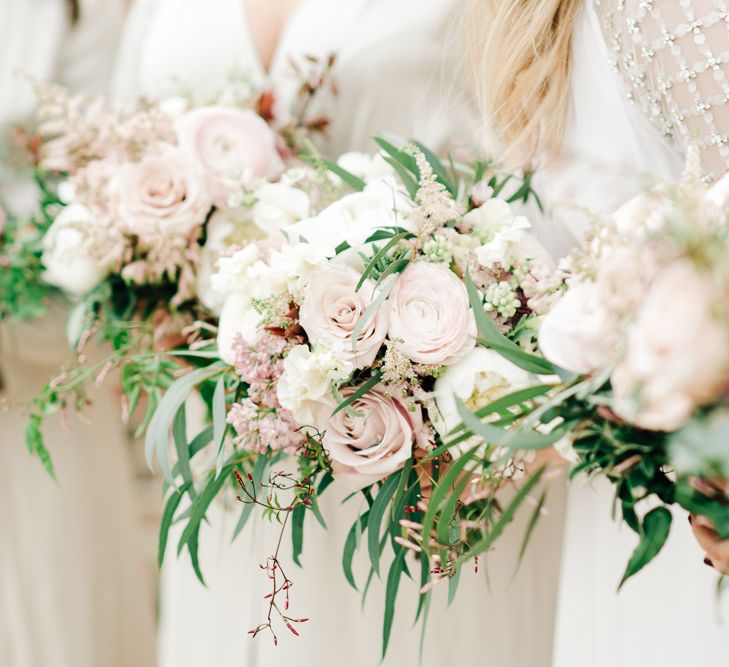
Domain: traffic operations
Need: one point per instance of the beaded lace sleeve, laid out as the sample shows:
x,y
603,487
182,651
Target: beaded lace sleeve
x,y
673,56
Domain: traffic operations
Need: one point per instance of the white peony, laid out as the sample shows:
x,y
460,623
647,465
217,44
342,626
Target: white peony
x,y
67,256
308,379
354,218
368,167
478,379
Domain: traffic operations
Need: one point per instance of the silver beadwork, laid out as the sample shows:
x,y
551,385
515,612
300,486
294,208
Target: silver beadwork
x,y
673,57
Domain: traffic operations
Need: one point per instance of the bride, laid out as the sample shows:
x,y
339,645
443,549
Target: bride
x,y
396,71
607,94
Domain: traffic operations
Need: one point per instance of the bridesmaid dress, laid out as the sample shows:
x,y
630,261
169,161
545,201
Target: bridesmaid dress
x,y
74,588
397,72
668,614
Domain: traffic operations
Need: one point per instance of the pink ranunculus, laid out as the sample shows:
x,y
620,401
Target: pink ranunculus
x,y
162,195
430,315
678,352
226,140
331,310
374,438
576,333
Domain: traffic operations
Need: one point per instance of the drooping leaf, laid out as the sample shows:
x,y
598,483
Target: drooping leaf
x,y
220,425
179,434
350,547
359,392
491,337
354,182
379,507
297,532
656,527
516,439
393,583
168,515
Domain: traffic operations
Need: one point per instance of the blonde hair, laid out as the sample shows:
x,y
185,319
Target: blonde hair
x,y
519,57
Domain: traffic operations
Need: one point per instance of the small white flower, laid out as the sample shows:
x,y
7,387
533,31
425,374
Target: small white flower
x,y
308,379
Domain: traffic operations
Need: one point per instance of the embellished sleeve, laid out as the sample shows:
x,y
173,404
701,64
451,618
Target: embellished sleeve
x,y
673,57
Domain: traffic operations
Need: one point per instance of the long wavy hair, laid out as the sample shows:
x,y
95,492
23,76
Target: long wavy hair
x,y
518,54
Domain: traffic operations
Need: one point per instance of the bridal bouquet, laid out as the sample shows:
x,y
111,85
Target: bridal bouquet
x,y
642,320
137,204
352,351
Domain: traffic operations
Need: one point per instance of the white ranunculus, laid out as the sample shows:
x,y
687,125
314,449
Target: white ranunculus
x,y
678,352
308,380
355,217
162,195
478,379
577,334
278,206
67,257
430,315
226,140
332,308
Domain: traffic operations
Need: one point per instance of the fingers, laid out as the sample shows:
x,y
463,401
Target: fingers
x,y
717,550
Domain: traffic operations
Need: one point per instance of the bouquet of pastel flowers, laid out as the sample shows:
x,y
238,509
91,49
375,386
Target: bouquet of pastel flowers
x,y
137,202
351,350
640,325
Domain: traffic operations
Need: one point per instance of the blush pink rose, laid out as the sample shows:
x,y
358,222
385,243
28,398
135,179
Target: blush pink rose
x,y
374,438
161,195
226,140
678,352
430,315
331,310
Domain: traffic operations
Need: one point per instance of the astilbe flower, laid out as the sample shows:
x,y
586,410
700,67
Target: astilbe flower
x,y
436,207
259,420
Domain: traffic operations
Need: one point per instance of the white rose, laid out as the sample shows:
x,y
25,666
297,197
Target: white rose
x,y
331,310
226,140
478,379
67,256
355,217
278,206
161,195
306,385
430,315
678,352
577,334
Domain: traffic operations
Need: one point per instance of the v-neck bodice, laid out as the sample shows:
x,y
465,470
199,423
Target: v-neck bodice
x,y
397,67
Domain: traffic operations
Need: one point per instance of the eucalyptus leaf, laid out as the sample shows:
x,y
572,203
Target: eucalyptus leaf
x,y
379,507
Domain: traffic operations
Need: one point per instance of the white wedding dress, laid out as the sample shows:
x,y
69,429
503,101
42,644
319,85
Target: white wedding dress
x,y
397,72
74,590
666,615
